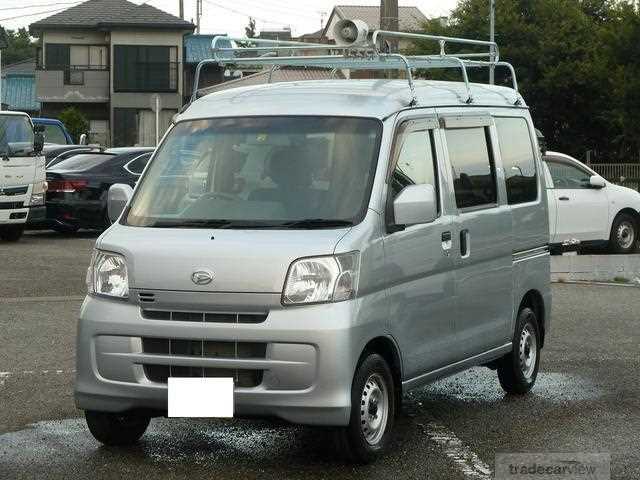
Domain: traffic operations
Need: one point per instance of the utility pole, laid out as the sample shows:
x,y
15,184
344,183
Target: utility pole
x,y
198,14
389,20
181,8
492,37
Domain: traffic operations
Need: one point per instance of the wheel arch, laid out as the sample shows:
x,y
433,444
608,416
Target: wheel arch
x,y
629,211
534,300
387,348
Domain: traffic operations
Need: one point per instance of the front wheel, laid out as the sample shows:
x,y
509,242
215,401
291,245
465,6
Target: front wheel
x,y
11,233
624,234
517,371
373,410
116,429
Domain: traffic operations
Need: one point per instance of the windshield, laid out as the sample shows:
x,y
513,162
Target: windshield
x,y
54,134
16,136
291,172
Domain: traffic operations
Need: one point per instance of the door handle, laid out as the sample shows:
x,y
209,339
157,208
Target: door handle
x,y
564,199
465,244
446,242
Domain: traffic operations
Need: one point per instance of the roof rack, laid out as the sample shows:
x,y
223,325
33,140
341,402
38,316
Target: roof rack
x,y
356,49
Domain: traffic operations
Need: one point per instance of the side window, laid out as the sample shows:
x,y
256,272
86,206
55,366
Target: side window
x,y
414,158
137,165
568,176
54,134
518,160
474,178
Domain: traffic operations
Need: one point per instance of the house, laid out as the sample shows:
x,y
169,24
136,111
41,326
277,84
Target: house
x,y
19,87
111,59
284,34
410,19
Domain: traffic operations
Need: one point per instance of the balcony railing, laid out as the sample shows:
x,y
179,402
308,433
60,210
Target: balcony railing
x,y
74,74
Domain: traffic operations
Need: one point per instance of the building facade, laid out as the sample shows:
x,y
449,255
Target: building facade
x,y
114,61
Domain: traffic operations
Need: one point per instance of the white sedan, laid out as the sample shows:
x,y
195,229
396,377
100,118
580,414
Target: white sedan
x,y
587,210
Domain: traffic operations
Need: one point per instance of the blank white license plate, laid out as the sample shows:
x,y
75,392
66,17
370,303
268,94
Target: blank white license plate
x,y
200,397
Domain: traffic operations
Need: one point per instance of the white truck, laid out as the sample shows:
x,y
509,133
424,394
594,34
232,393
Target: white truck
x,y
587,210
22,174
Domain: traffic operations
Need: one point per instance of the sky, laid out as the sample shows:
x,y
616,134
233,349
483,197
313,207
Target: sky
x,y
223,16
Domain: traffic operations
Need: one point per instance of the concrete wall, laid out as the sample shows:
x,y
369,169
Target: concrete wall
x,y
597,268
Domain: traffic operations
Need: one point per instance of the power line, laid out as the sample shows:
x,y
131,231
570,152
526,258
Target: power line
x,y
32,14
281,10
24,7
244,14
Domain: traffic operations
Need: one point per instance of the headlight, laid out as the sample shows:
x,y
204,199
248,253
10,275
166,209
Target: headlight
x,y
38,194
332,278
107,275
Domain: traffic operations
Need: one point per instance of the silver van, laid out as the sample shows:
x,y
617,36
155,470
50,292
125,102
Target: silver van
x,y
328,245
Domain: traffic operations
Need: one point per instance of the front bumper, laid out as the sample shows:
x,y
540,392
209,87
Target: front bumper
x,y
307,369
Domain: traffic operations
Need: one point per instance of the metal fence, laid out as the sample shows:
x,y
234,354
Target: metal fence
x,y
625,174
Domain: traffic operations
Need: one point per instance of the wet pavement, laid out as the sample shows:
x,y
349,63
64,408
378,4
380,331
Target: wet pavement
x,y
587,398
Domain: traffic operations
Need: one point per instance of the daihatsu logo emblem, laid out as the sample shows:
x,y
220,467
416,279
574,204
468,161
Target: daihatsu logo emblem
x,y
201,277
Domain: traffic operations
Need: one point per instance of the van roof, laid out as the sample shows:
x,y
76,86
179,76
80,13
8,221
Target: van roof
x,y
352,98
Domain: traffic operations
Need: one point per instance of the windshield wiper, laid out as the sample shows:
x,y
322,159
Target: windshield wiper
x,y
191,224
317,223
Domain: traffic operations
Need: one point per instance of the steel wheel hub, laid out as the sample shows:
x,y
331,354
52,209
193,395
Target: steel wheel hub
x,y
528,351
626,235
374,409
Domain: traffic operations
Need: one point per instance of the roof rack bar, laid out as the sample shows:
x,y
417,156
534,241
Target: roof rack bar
x,y
438,38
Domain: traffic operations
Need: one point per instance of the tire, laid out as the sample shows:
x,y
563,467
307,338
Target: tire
x,y
518,370
116,429
624,234
373,409
11,233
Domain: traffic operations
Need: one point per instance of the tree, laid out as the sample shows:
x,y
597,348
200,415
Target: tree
x,y
566,72
75,121
20,47
250,29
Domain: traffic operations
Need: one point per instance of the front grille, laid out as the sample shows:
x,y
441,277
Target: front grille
x,y
11,205
205,349
10,191
203,316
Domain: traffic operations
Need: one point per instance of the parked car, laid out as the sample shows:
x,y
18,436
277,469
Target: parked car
x,y
585,210
54,131
315,250
22,174
78,186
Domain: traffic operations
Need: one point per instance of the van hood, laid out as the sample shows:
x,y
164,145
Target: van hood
x,y
240,261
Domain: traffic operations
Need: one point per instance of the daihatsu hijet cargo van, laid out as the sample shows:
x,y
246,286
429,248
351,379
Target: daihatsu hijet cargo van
x,y
22,174
327,245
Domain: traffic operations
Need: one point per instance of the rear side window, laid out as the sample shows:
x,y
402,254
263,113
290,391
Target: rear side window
x,y
474,178
518,160
136,166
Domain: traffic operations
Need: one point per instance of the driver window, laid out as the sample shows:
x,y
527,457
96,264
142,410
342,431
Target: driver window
x,y
415,161
568,176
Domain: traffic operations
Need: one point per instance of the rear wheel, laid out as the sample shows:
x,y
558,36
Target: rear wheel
x,y
624,234
373,410
518,370
116,429
11,233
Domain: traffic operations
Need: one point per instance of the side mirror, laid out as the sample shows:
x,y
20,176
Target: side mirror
x,y
38,142
118,197
83,139
415,204
596,181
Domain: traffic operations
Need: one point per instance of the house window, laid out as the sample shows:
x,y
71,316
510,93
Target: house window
x,y
139,68
74,60
137,127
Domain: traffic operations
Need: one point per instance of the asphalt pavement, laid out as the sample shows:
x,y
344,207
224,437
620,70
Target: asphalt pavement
x,y
587,398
